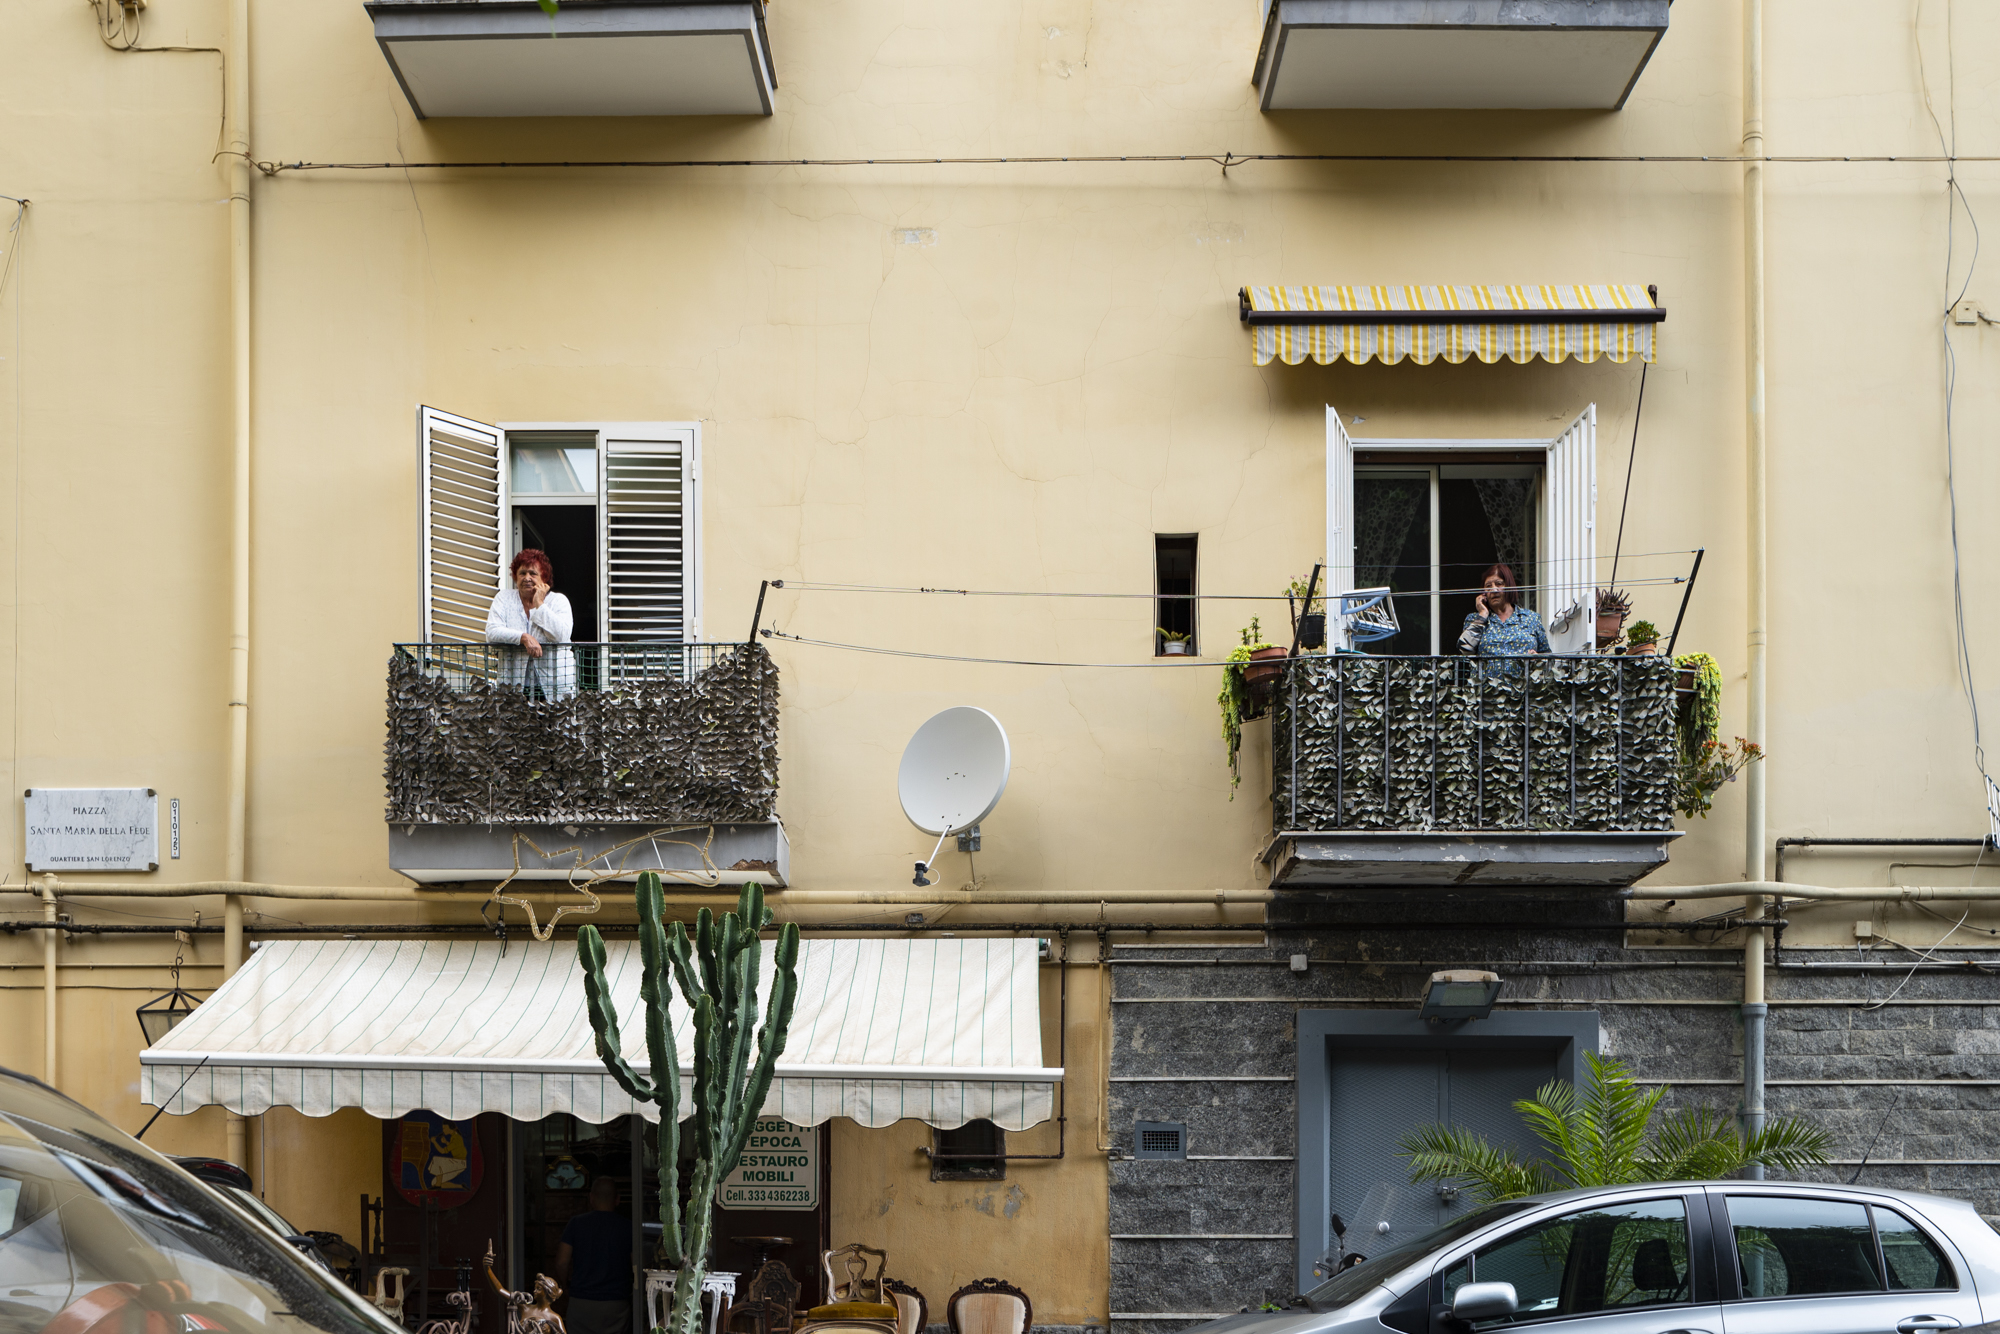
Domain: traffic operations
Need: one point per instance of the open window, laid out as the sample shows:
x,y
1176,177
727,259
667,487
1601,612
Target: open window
x,y
615,505
1426,518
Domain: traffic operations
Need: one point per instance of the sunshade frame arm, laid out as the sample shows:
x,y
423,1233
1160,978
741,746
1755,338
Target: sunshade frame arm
x,y
1653,314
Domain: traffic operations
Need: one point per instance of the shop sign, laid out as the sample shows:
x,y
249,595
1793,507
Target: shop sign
x,y
779,1169
436,1161
93,829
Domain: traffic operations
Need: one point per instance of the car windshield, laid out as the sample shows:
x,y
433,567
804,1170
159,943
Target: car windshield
x,y
259,1210
1349,1284
98,1232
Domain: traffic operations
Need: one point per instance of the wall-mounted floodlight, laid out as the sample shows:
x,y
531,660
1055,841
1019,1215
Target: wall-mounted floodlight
x,y
1462,994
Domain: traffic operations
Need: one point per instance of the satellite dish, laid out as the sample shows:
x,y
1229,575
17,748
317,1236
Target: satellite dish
x,y
954,770
952,775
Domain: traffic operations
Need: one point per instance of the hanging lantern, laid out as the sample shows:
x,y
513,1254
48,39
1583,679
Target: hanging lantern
x,y
158,1016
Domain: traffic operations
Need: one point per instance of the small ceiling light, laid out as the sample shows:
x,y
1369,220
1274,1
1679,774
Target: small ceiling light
x,y
1461,994
159,1016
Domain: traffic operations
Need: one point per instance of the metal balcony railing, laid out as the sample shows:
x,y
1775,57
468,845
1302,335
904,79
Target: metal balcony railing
x,y
564,669
1474,744
620,733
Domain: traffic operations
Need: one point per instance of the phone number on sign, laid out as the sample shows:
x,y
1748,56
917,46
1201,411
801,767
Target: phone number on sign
x,y
757,1195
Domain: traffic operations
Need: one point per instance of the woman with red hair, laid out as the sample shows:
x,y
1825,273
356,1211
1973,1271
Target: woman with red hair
x,y
536,619
1499,627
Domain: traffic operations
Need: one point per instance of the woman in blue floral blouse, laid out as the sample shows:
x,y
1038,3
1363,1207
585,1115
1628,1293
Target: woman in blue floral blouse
x,y
1498,627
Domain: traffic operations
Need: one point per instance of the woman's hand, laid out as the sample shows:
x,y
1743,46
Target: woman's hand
x,y
532,644
533,590
1479,605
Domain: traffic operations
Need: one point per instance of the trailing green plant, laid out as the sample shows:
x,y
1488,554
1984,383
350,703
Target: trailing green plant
x,y
1701,715
1604,1135
1703,773
1642,632
1234,698
717,972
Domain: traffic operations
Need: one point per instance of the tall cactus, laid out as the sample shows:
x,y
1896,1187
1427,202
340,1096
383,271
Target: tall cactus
x,y
716,970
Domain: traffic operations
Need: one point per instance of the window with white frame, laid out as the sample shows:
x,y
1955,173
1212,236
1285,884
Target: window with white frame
x,y
615,505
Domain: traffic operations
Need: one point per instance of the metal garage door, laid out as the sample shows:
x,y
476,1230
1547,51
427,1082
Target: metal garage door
x,y
1380,1095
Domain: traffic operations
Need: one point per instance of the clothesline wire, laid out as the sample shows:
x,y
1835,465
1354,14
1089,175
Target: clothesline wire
x,y
1033,662
1666,581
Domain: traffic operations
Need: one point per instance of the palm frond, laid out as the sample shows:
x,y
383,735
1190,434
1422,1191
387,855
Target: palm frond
x,y
1552,1115
1789,1143
1463,1159
1616,1115
1694,1144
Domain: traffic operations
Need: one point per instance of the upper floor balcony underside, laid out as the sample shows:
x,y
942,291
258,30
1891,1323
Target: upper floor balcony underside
x,y
591,761
1466,771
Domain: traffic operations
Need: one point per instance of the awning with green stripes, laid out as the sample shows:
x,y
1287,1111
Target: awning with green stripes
x,y
943,1031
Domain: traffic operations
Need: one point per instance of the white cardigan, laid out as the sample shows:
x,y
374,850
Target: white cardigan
x,y
553,675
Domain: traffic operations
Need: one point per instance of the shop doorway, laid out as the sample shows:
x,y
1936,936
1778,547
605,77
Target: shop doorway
x,y
444,1200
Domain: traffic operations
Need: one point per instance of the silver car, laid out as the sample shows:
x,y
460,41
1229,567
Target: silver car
x,y
1718,1257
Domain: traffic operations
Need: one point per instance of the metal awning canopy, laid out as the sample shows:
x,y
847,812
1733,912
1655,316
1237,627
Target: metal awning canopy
x,y
1520,322
1445,54
943,1031
590,58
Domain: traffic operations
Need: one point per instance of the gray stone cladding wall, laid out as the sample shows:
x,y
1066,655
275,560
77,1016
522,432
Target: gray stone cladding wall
x,y
1672,1015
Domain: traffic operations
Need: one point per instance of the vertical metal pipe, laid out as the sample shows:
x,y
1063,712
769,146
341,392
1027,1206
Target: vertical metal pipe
x,y
1756,556
235,1131
237,156
49,1029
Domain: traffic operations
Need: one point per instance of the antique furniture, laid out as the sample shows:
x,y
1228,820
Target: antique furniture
x,y
718,1290
989,1306
912,1311
856,1294
391,1306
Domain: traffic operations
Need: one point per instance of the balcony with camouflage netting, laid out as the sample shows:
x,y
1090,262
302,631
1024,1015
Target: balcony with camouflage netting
x,y
593,761
1468,771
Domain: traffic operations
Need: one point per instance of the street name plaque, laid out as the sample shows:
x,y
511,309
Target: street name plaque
x,y
779,1169
93,829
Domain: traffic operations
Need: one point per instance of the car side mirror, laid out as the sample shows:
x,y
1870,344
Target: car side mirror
x,y
1484,1301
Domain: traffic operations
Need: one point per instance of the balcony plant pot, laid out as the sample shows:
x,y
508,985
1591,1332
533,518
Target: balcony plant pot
x,y
1174,648
1312,630
1609,623
1263,670
1645,650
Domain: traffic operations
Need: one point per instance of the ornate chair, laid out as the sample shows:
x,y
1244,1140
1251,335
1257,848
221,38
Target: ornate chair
x,y
912,1311
857,1296
989,1306
768,1303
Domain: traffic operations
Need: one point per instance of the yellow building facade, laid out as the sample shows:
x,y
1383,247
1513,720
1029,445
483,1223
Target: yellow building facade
x,y
958,310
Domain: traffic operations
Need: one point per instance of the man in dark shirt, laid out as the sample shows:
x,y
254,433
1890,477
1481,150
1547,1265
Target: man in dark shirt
x,y
594,1265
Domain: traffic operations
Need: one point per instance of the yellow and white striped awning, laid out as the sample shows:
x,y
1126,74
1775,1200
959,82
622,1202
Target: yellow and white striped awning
x,y
943,1031
1289,324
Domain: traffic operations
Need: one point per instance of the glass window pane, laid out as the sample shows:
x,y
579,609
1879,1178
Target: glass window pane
x,y
551,470
1914,1261
1392,549
1793,1248
1597,1259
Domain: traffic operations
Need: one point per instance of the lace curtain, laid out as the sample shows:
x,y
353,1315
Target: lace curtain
x,y
1505,500
1383,513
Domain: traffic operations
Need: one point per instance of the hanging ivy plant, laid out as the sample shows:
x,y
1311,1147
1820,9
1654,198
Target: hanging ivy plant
x,y
1701,716
1235,700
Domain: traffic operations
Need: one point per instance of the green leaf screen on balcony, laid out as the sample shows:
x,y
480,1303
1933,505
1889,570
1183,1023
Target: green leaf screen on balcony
x,y
1473,744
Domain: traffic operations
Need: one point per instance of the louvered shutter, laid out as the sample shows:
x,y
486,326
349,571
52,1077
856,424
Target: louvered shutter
x,y
1339,577
646,525
463,466
1569,574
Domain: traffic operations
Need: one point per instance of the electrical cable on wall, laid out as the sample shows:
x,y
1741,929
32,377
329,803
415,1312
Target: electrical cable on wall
x,y
118,27
1955,198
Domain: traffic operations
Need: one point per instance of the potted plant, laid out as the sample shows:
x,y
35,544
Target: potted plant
x,y
1311,614
1613,606
1642,639
1171,644
1242,696
1266,660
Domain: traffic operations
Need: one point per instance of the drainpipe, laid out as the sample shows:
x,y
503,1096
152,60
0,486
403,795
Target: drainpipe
x,y
236,1141
1756,559
49,940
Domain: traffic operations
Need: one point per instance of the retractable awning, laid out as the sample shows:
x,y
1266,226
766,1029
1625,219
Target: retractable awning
x,y
1553,321
944,1031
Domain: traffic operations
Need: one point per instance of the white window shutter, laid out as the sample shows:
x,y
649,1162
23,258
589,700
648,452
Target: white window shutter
x,y
463,469
646,525
1569,575
1339,575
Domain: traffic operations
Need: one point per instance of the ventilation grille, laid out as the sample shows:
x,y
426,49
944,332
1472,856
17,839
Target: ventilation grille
x,y
1160,1139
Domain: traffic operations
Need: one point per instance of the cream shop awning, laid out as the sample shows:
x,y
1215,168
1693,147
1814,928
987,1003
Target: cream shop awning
x,y
1553,321
944,1031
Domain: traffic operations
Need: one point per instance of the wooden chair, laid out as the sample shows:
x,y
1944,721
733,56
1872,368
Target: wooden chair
x,y
989,1306
856,1295
768,1303
912,1311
